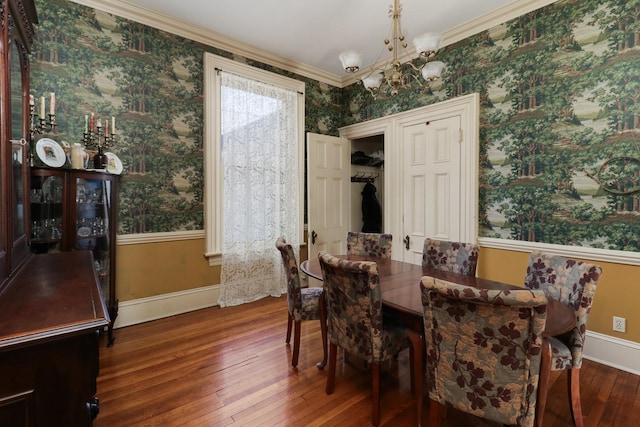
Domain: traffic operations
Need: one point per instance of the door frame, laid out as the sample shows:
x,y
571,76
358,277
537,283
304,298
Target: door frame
x,y
468,108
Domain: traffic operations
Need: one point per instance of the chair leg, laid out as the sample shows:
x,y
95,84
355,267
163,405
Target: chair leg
x,y
434,413
375,385
574,396
289,324
296,344
331,375
543,382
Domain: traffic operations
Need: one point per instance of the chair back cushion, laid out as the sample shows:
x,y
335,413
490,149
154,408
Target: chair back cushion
x,y
294,297
354,308
369,244
571,282
457,257
484,349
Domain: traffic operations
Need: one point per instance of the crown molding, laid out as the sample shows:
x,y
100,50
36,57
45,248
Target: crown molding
x,y
172,25
481,23
474,26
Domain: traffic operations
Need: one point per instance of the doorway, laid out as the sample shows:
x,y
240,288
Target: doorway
x,y
390,132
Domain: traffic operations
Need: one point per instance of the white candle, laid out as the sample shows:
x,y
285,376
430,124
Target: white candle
x,y
113,125
31,100
42,107
99,124
52,104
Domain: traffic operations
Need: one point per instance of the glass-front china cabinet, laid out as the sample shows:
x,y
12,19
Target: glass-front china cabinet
x,y
76,210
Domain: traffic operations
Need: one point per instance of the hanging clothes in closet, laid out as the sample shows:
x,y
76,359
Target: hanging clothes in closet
x,y
371,210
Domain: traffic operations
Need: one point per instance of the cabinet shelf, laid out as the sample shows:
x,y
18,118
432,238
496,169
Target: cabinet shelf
x,y
45,241
91,236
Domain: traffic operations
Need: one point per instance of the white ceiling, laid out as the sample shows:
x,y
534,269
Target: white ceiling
x,y
315,32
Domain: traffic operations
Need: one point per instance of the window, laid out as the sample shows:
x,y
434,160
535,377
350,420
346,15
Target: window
x,y
240,103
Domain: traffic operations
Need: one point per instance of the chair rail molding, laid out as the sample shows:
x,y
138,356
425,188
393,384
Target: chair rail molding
x,y
172,236
594,254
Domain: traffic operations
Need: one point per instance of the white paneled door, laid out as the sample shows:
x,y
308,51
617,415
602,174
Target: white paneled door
x,y
328,185
431,184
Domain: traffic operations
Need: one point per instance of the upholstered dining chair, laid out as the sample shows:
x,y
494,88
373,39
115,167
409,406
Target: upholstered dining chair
x,y
302,303
483,350
355,320
573,283
456,257
369,244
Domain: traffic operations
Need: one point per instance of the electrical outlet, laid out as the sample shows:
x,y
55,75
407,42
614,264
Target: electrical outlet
x,y
619,324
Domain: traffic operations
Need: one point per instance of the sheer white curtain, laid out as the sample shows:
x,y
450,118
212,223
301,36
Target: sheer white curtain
x,y
260,185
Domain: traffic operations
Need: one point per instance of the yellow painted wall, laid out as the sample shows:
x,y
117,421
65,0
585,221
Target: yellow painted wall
x,y
149,269
617,292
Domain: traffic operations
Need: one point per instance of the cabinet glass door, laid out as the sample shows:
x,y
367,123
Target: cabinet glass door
x,y
93,205
47,213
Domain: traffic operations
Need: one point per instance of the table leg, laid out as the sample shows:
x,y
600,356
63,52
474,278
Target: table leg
x,y
417,343
323,328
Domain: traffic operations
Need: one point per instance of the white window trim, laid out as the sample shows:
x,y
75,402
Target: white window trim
x,y
213,219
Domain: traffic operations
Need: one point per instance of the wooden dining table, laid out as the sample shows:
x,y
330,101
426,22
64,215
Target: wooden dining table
x,y
401,297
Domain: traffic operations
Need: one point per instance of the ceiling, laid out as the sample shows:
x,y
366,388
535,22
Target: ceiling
x,y
315,32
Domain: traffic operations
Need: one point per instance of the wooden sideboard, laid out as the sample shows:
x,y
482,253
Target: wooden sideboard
x,y
51,314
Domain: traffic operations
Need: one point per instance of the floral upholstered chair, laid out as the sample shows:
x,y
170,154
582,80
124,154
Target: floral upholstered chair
x,y
354,320
483,350
302,303
573,283
456,257
369,244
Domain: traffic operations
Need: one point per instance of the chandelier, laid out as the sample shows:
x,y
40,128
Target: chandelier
x,y
394,75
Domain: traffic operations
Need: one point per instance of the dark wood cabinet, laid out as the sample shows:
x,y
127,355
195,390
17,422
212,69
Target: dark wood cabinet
x,y
50,317
75,210
51,305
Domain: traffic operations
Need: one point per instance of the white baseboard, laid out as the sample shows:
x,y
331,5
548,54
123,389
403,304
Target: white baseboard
x,y
610,351
614,352
156,307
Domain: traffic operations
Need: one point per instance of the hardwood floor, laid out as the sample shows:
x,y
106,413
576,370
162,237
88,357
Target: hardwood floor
x,y
231,367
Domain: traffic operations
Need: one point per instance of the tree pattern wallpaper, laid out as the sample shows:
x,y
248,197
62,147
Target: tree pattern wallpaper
x,y
151,81
560,115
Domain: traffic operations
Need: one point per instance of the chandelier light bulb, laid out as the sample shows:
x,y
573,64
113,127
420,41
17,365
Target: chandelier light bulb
x,y
351,60
373,82
432,70
427,44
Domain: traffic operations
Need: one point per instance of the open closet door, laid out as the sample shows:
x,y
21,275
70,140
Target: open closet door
x,y
328,193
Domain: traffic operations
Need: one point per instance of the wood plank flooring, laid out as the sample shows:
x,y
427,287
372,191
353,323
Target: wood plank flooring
x,y
231,367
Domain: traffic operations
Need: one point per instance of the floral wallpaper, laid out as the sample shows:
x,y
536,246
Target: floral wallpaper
x,y
560,116
151,82
560,160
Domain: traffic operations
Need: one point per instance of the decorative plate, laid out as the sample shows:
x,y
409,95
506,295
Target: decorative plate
x,y
50,152
114,165
84,231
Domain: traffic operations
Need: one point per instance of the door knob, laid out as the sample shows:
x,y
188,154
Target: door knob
x,y
407,242
313,237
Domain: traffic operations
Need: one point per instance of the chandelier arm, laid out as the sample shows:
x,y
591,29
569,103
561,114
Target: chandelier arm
x,y
410,64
